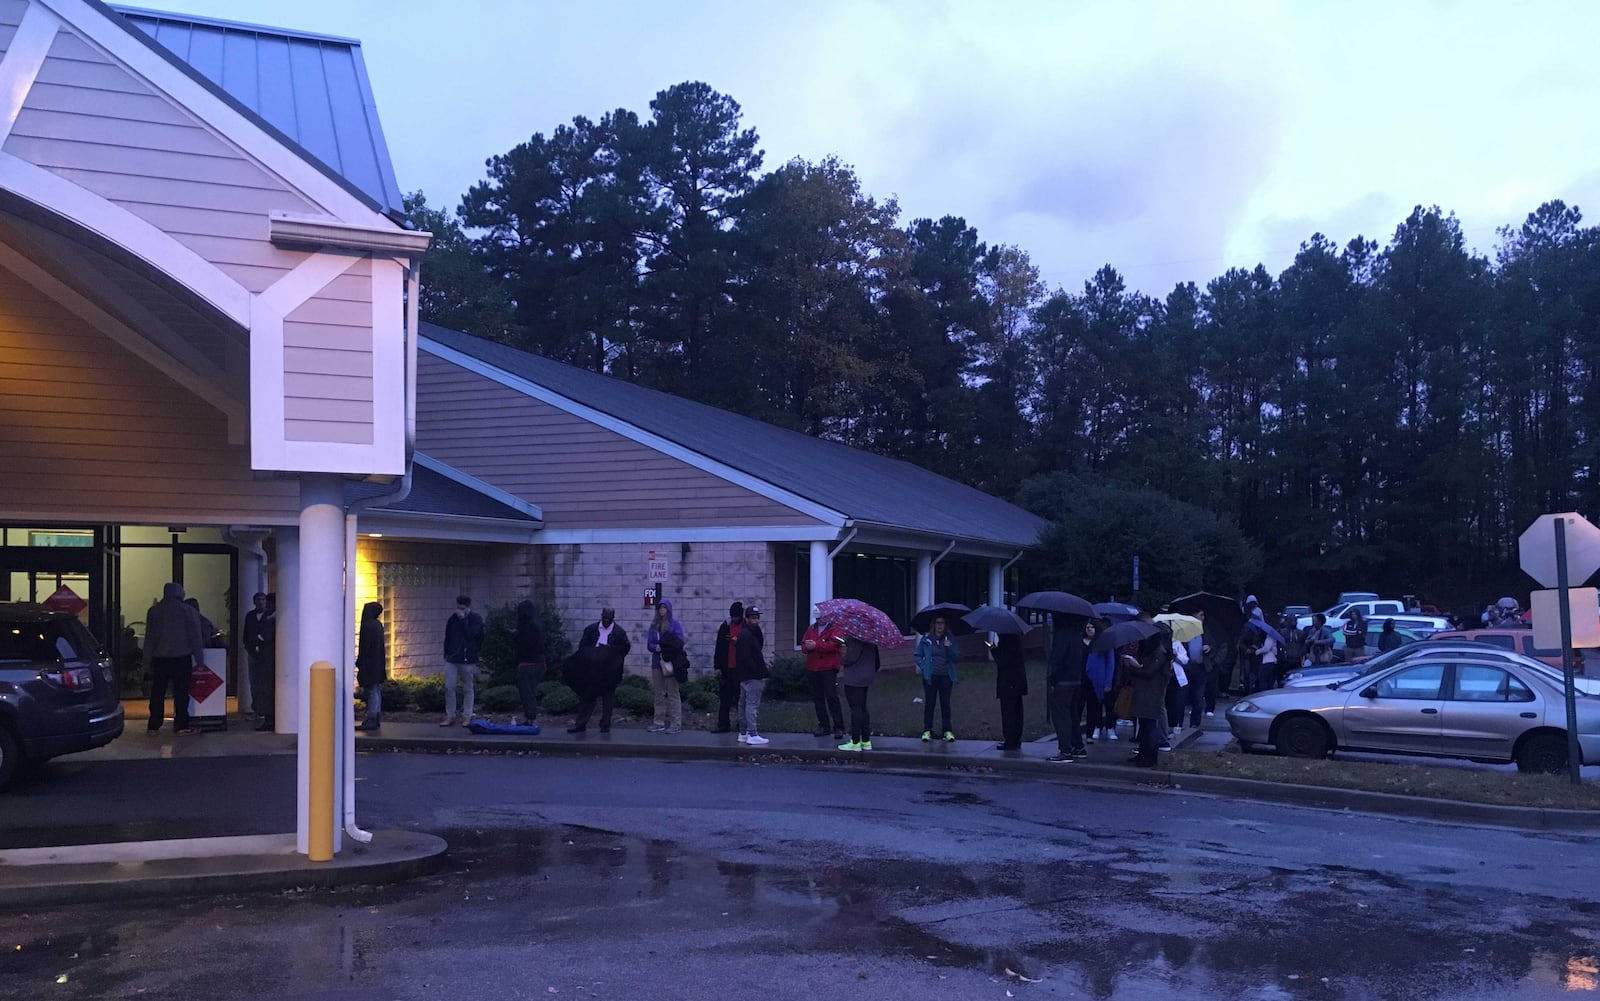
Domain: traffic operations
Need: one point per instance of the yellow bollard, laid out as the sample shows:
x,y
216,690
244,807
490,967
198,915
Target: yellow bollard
x,y
319,811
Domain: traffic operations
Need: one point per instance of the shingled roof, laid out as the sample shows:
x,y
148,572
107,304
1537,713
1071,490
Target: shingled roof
x,y
868,489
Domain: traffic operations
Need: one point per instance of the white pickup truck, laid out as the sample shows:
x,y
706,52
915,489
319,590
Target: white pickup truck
x,y
1376,610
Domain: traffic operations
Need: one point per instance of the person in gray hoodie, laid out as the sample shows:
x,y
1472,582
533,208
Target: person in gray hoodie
x,y
173,647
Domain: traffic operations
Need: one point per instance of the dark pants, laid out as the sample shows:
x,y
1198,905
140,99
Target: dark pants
x,y
263,681
937,690
1213,688
1149,742
1094,708
860,721
727,698
529,677
1011,720
825,697
1064,710
1195,695
608,703
1266,677
174,671
1174,704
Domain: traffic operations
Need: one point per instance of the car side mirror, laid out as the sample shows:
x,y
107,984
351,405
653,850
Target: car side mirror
x,y
1370,692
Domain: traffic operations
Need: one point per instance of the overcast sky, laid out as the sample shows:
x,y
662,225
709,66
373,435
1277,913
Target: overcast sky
x,y
1172,140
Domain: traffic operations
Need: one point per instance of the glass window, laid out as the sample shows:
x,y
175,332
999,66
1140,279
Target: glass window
x,y
1480,684
45,642
1503,642
1413,683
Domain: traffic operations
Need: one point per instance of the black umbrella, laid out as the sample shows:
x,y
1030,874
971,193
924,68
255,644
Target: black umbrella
x,y
1221,610
1116,611
1122,633
1059,602
950,611
992,619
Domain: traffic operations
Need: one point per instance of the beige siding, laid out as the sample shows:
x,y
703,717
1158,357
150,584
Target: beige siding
x,y
96,124
327,363
582,475
11,12
99,431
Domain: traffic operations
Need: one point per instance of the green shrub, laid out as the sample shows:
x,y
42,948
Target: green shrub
x,y
701,700
398,693
788,679
557,698
636,700
428,695
634,681
705,683
499,653
500,699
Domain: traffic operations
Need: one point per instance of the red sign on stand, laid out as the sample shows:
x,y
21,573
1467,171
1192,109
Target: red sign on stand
x,y
203,683
66,600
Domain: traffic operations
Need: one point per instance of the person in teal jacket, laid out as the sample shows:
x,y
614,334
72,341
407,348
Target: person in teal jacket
x,y
936,658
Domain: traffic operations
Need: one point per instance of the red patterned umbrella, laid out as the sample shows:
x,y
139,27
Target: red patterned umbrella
x,y
861,621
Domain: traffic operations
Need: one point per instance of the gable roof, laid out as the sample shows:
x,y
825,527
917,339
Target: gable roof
x,y
866,488
309,90
437,489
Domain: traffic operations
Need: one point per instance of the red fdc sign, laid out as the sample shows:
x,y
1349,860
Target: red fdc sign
x,y
65,600
203,683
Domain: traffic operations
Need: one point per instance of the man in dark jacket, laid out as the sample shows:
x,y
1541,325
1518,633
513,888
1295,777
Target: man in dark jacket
x,y
529,645
463,638
751,669
723,660
173,647
1068,653
260,648
598,664
372,663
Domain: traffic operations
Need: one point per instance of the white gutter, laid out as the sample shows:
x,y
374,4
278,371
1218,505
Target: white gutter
x,y
1013,559
843,542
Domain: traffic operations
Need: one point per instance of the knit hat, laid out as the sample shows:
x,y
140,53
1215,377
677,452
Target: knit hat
x,y
736,610
752,612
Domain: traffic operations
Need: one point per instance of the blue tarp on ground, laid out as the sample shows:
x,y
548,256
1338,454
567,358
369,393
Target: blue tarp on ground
x,y
485,726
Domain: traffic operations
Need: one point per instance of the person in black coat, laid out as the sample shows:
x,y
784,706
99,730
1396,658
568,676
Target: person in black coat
x,y
372,663
722,661
1068,654
260,633
751,669
1010,686
596,670
529,648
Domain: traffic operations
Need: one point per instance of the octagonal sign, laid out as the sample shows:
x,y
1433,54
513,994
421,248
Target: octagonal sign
x,y
1536,549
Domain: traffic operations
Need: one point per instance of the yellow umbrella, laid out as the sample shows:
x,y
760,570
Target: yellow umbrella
x,y
1184,627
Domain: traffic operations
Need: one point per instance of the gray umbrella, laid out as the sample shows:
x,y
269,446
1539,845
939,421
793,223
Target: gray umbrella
x,y
1123,633
992,619
1059,602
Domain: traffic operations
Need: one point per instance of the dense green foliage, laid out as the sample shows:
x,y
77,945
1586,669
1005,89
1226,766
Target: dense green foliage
x,y
1375,416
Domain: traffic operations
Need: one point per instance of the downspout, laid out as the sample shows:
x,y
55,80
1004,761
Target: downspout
x,y
842,543
1007,566
940,558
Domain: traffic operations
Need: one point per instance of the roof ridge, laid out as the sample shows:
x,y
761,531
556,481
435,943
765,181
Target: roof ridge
x,y
222,22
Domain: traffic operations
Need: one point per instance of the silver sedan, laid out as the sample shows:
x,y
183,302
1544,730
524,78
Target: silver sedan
x,y
1448,704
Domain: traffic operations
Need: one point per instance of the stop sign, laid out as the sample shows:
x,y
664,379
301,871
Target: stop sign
x,y
1537,549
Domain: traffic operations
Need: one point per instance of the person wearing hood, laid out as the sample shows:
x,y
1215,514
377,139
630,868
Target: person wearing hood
x,y
665,643
372,663
1150,674
724,661
529,643
1388,639
1068,653
173,648
1010,686
1099,670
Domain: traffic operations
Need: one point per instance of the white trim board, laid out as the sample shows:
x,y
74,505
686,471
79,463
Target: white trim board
x,y
635,433
410,526
759,533
483,487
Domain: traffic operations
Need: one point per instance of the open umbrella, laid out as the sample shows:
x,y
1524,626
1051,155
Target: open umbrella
x,y
950,611
1120,634
994,619
862,621
1116,611
1184,627
1059,602
1268,630
1220,609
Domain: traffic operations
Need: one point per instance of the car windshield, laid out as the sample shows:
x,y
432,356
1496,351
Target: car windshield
x,y
1337,610
1382,662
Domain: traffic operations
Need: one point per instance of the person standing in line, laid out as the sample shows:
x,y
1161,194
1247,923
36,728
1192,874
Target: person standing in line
x,y
1172,705
752,672
1199,686
723,655
663,681
173,648
936,658
1319,640
1067,655
1355,637
463,639
260,633
823,645
529,644
1098,671
603,652
1267,655
1150,675
858,665
1010,687
372,663
1388,639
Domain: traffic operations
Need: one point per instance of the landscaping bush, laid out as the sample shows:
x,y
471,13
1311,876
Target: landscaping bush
x,y
634,681
398,694
788,680
557,698
636,700
702,700
428,695
499,655
500,699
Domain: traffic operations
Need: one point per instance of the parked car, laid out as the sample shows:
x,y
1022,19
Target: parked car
x,y
1439,703
1374,634
1345,597
1520,640
1296,611
57,688
1333,674
1377,610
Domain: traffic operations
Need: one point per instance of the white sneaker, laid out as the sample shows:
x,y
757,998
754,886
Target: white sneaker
x,y
756,738
744,738
1111,735
1210,714
655,728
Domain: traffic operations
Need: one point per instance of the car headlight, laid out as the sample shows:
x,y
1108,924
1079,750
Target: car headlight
x,y
1246,707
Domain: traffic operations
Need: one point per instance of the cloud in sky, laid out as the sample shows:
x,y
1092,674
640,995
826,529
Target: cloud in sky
x,y
1172,140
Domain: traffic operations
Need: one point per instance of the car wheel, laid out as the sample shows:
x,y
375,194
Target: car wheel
x,y
1303,737
1543,752
10,757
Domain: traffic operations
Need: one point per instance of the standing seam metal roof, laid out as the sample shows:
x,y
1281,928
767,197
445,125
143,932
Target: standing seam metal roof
x,y
311,89
860,485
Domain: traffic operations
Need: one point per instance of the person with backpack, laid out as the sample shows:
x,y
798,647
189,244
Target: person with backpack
x,y
724,661
664,628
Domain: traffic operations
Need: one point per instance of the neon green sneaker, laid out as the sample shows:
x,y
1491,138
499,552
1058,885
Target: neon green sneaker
x,y
926,736
865,745
949,737
850,745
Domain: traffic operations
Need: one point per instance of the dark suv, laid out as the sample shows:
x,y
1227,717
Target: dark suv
x,y
58,693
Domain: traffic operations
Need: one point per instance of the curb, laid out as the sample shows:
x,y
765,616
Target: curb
x,y
1158,779
404,855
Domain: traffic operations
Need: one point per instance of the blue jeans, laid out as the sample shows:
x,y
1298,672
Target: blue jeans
x,y
374,702
937,690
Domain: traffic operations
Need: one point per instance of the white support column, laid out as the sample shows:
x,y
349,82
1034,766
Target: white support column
x,y
997,583
821,577
321,613
924,580
285,675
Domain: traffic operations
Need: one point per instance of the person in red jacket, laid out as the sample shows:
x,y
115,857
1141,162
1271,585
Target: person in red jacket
x,y
822,644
